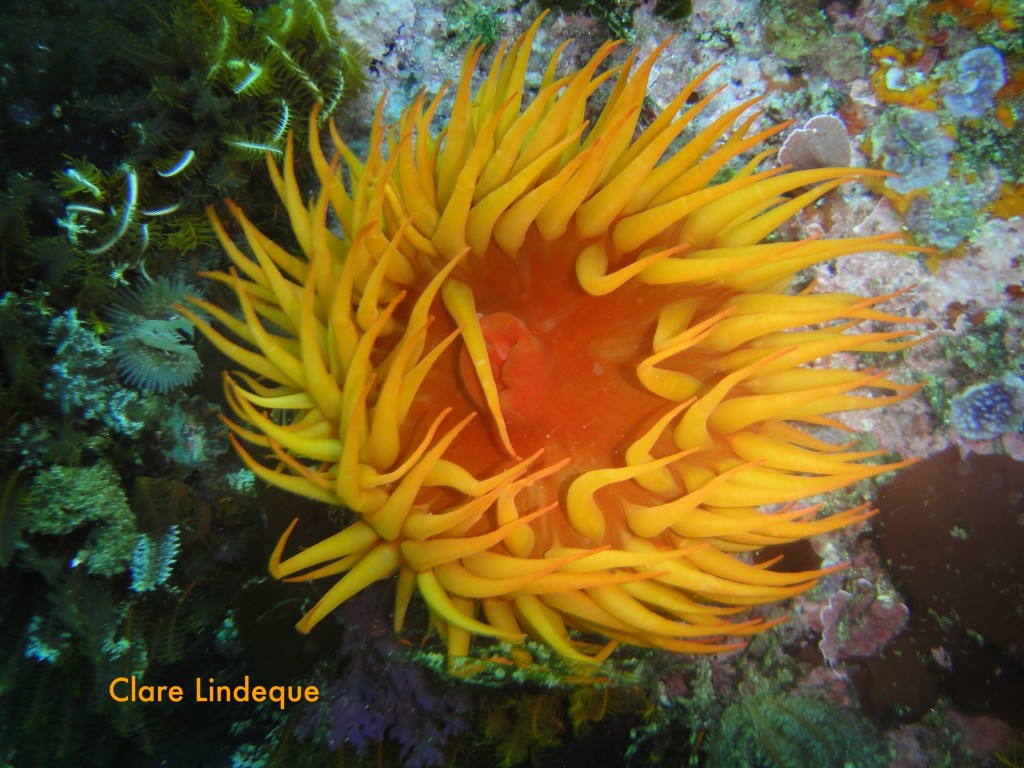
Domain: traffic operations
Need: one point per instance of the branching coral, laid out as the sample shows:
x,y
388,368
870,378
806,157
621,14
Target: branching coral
x,y
551,368
65,498
81,382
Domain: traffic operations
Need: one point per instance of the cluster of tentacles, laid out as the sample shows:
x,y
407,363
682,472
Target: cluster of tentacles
x,y
549,365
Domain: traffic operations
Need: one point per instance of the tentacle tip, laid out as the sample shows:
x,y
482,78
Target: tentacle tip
x,y
275,558
867,514
829,570
768,624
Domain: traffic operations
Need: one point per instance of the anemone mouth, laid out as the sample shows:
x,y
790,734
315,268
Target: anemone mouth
x,y
551,368
563,361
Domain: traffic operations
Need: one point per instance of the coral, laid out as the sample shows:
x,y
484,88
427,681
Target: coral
x,y
112,146
64,499
990,409
151,341
67,90
75,625
460,367
950,162
98,583
78,380
913,145
821,143
980,73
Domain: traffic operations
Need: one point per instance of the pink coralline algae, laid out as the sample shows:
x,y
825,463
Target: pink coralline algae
x,y
821,143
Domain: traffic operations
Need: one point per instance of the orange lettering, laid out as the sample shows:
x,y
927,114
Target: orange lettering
x,y
114,682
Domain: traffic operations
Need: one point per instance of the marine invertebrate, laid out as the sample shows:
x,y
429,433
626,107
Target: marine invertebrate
x,y
153,559
980,73
857,623
380,699
781,730
66,498
821,143
913,145
80,381
990,409
552,377
203,97
150,338
900,80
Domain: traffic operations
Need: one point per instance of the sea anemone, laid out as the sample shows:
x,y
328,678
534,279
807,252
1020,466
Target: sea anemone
x,y
151,340
549,365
